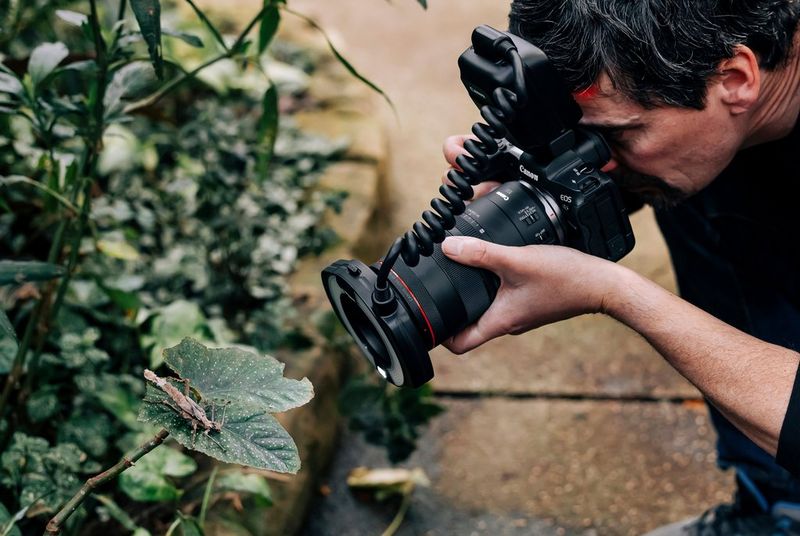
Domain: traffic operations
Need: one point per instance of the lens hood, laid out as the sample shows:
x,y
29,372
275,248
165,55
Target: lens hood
x,y
390,341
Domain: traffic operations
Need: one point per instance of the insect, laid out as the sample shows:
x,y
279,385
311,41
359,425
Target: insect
x,y
186,407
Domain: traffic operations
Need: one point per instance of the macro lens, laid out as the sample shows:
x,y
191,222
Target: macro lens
x,y
444,296
438,297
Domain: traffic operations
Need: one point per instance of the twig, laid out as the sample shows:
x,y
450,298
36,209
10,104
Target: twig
x,y
54,526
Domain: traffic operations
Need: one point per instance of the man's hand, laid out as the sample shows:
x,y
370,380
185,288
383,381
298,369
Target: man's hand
x,y
539,285
453,147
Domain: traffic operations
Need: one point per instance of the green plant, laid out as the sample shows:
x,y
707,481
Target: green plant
x,y
388,416
146,183
247,385
89,317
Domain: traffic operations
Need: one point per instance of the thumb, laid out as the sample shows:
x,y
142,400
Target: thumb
x,y
485,329
475,252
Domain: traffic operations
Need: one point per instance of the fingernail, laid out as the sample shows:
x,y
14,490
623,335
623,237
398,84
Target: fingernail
x,y
453,246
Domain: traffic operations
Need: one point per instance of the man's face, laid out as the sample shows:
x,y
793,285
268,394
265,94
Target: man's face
x,y
663,154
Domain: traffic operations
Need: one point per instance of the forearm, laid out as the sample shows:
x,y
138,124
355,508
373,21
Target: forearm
x,y
748,380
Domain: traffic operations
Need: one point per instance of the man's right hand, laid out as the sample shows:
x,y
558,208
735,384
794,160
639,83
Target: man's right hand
x,y
454,146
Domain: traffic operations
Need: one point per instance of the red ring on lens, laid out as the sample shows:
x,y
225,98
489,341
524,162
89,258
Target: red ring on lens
x,y
421,310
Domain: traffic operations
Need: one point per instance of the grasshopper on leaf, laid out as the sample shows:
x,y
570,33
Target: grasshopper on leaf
x,y
185,406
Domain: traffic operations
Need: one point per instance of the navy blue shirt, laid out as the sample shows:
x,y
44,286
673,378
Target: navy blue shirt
x,y
735,247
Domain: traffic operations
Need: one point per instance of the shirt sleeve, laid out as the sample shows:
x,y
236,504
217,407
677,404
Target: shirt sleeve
x,y
788,454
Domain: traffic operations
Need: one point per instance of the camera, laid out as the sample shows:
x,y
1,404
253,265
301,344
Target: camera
x,y
412,299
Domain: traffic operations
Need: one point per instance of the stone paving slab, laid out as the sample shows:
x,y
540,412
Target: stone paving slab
x,y
501,466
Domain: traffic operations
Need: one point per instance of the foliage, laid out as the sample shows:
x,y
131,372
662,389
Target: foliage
x,y
245,386
388,416
150,189
143,201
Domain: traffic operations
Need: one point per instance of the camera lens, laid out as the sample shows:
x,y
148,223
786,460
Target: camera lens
x,y
438,297
444,296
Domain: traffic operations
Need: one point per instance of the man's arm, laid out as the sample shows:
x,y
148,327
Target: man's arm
x,y
749,380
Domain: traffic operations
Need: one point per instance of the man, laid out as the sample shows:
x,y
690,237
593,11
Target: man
x,y
699,100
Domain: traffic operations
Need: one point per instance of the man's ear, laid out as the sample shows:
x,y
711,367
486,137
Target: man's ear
x,y
738,80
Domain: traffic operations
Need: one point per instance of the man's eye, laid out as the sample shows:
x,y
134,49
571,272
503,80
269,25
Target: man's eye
x,y
614,136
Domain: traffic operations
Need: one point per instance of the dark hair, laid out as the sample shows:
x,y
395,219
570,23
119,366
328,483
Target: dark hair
x,y
655,51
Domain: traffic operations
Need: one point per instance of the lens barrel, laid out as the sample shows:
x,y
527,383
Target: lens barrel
x,y
438,297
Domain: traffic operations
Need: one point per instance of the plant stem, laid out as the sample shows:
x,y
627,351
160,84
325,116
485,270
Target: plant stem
x,y
75,246
207,497
172,84
54,526
211,27
175,82
43,312
400,516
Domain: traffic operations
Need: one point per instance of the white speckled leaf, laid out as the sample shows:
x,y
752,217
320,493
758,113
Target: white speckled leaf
x,y
249,436
236,375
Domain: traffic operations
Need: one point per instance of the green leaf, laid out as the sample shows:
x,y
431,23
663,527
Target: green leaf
x,y
267,130
270,19
239,376
127,301
10,84
423,3
241,385
117,249
72,17
127,82
6,328
42,475
44,59
352,70
50,189
8,524
388,416
177,320
189,39
90,430
189,525
148,15
252,484
19,272
147,480
119,394
8,350
42,404
248,436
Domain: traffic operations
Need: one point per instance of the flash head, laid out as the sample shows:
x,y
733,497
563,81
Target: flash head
x,y
389,340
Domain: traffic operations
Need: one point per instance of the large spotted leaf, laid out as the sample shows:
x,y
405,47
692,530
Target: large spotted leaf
x,y
234,375
239,390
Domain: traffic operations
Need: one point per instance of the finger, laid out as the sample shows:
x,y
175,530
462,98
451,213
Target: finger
x,y
453,147
485,329
484,188
478,253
